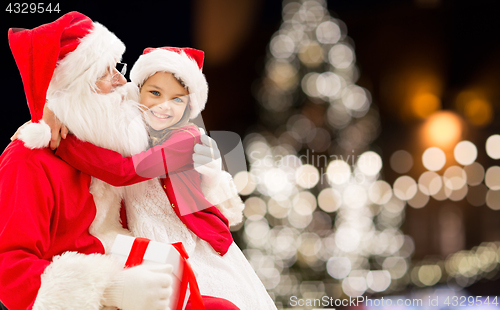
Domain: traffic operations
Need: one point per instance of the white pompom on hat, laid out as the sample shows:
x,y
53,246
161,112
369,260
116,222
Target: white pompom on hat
x,y
184,63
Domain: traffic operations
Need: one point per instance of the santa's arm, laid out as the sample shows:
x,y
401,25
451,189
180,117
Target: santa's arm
x,y
113,168
29,278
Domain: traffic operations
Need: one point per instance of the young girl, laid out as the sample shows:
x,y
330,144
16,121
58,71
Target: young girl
x,y
173,207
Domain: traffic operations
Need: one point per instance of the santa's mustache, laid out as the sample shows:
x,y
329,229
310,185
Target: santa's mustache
x,y
106,120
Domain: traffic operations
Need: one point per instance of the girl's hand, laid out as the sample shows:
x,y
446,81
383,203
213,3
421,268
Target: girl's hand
x,y
57,129
207,161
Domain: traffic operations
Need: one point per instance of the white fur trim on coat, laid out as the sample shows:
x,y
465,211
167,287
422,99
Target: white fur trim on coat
x,y
107,224
35,135
76,281
225,197
181,66
97,51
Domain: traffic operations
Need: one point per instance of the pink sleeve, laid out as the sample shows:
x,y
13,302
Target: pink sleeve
x,y
113,168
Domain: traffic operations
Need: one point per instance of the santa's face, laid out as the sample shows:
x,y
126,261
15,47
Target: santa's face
x,y
109,81
165,98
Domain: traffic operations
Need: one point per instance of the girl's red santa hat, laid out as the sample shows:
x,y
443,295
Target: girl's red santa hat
x,y
73,50
184,63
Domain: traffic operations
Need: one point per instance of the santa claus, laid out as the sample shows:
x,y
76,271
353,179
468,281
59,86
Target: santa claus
x,y
57,223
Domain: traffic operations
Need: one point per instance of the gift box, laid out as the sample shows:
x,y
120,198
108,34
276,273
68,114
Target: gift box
x,y
132,251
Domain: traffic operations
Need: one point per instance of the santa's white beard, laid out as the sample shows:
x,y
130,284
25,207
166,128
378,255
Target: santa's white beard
x,y
105,120
108,121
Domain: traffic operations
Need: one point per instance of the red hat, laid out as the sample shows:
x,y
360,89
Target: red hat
x,y
184,63
55,54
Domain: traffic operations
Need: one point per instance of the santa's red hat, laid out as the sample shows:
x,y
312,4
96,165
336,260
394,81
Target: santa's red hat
x,y
72,49
184,63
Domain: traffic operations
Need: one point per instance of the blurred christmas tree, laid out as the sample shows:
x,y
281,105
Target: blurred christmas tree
x,y
319,221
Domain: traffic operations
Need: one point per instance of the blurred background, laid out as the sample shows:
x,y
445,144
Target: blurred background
x,y
371,132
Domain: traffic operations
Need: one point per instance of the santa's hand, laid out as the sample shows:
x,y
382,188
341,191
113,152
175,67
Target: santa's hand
x,y
57,129
207,161
14,137
144,287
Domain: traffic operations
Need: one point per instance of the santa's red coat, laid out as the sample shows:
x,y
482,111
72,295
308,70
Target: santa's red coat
x,y
45,209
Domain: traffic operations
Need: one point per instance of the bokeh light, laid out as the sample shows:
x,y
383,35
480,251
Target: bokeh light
x,y
493,146
405,188
279,208
310,85
395,205
458,195
354,286
425,104
380,192
283,74
354,196
338,267
492,178
341,56
311,54
454,178
369,163
442,194
328,32
355,98
329,200
465,153
493,199
397,266
329,84
419,200
478,112
347,239
434,159
429,183
255,208
338,172
475,173
442,129
429,274
307,176
304,203
401,161
282,46
378,280
245,183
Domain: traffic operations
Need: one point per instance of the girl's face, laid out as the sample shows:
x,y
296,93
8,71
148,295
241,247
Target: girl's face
x,y
165,98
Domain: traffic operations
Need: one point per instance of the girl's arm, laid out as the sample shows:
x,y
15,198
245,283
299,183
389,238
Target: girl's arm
x,y
113,168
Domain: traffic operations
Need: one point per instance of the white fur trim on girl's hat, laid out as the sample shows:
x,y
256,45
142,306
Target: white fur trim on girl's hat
x,y
184,63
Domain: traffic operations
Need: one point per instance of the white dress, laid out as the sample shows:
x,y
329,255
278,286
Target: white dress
x,y
230,276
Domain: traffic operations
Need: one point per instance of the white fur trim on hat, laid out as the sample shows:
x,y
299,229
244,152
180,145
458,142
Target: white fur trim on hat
x,y
97,51
35,135
181,66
